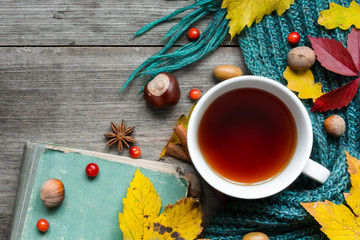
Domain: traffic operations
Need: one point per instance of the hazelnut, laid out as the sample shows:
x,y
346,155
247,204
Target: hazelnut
x,y
224,72
52,192
162,91
194,185
255,236
301,58
335,126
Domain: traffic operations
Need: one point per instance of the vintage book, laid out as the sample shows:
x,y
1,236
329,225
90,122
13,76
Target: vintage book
x,y
91,206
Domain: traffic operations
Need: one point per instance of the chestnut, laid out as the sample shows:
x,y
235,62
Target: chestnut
x,y
162,91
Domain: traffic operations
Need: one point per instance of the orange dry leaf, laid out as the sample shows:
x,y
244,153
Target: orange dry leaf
x,y
303,83
341,221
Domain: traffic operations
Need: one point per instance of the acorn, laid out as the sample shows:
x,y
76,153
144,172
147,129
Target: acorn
x,y
162,91
255,236
52,192
224,72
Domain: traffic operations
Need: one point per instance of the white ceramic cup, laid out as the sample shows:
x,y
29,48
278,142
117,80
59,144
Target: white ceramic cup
x,y
299,163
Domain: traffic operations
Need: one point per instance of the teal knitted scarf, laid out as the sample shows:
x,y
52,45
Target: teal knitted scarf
x,y
264,46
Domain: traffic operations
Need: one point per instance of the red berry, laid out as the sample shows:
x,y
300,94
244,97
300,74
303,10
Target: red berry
x,y
135,152
42,225
195,94
294,38
193,34
92,169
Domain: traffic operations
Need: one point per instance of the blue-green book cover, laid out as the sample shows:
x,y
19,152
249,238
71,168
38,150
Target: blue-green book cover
x,y
91,206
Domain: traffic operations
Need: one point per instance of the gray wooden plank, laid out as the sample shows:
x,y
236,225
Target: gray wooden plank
x,y
69,96
112,22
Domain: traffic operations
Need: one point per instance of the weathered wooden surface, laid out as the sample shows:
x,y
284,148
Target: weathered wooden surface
x,y
74,22
69,94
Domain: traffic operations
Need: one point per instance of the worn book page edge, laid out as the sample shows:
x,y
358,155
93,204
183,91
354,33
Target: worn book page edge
x,y
31,156
149,164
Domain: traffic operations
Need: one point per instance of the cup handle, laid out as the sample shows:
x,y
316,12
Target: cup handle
x,y
316,171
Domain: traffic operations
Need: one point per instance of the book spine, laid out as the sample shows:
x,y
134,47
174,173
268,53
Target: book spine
x,y
29,165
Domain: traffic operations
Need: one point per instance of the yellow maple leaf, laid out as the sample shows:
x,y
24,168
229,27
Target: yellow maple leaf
x,y
174,138
340,222
180,221
303,83
142,205
342,17
244,12
353,197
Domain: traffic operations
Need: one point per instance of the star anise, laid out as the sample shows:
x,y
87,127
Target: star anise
x,y
120,135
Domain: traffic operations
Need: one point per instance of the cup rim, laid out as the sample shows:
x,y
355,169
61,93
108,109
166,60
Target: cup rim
x,y
267,188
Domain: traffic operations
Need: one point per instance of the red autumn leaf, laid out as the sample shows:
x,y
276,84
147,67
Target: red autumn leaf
x,y
333,56
337,98
353,43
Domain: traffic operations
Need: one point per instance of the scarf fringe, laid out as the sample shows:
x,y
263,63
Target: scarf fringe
x,y
209,40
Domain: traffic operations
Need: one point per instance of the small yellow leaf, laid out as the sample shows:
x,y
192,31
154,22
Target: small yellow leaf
x,y
303,83
342,17
179,221
339,222
174,138
243,13
141,205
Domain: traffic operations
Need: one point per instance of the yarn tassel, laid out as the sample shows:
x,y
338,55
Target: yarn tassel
x,y
210,39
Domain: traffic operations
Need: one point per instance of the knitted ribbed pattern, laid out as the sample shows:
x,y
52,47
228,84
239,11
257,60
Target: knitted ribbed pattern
x,y
264,46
